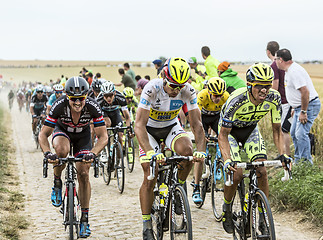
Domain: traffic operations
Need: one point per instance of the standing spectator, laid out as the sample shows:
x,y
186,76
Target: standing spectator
x,y
279,85
211,64
158,65
89,77
302,96
130,72
231,78
147,77
126,80
197,74
140,86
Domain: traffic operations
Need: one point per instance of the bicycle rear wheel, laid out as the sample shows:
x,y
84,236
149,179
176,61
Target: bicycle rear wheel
x,y
217,191
180,215
261,218
130,153
119,166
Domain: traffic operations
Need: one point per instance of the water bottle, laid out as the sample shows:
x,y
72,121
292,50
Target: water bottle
x,y
163,191
245,207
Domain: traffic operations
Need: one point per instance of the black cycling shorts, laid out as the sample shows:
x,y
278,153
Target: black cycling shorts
x,y
210,121
115,118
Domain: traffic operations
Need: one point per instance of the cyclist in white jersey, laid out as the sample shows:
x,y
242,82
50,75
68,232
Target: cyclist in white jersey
x,y
157,118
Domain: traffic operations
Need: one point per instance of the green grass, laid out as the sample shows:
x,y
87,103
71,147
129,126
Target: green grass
x,y
11,201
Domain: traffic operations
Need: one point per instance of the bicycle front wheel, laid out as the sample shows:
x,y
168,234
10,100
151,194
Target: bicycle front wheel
x,y
119,163
130,153
217,191
261,218
156,218
106,165
72,223
180,215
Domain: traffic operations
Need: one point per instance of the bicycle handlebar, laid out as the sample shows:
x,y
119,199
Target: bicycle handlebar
x,y
250,165
168,160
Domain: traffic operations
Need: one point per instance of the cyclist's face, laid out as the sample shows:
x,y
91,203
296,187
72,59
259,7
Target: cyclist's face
x,y
39,95
172,92
260,91
129,100
77,104
215,98
109,97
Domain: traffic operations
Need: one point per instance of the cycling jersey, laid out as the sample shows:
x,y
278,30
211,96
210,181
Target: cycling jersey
x,y
119,103
52,99
38,103
164,109
207,106
60,114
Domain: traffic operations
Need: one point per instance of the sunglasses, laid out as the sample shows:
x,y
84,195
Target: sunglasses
x,y
174,86
215,95
261,86
129,98
39,91
75,98
108,95
59,92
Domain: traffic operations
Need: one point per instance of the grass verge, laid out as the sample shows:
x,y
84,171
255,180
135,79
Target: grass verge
x,y
11,201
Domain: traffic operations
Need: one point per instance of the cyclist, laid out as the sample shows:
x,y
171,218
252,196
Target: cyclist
x,y
11,96
111,102
238,124
20,98
37,106
96,88
160,103
69,120
210,101
58,92
28,95
132,102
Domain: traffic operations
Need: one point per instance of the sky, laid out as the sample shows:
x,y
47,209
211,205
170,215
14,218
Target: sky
x,y
143,30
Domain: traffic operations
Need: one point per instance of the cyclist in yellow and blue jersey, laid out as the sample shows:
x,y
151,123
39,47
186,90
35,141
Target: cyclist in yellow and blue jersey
x,y
238,124
132,102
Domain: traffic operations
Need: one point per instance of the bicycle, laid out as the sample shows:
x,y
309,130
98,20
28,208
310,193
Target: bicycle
x,y
129,149
170,204
71,208
252,216
39,125
112,159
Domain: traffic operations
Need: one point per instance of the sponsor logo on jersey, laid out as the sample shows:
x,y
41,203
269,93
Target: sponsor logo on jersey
x,y
194,101
144,101
163,116
175,104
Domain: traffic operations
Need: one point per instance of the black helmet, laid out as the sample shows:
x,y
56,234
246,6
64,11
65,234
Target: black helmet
x,y
76,86
96,85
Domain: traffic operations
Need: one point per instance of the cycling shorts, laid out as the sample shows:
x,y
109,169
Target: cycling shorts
x,y
38,111
169,135
115,119
254,146
82,142
210,121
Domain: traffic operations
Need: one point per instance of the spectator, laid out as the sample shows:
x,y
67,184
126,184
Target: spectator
x,y
147,77
197,74
279,85
89,77
211,64
231,78
97,76
138,77
126,80
158,65
302,96
140,86
130,72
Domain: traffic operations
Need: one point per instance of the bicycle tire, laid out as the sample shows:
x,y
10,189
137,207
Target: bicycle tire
x,y
106,165
239,214
156,218
71,216
180,217
38,128
261,202
119,166
130,153
217,191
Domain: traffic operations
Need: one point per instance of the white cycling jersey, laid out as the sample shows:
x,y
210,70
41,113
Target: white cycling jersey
x,y
164,109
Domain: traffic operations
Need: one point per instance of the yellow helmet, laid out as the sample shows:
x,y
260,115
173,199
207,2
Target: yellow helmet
x,y
216,86
177,70
260,72
128,92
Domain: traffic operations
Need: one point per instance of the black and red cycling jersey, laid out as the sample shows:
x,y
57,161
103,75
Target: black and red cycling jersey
x,y
60,114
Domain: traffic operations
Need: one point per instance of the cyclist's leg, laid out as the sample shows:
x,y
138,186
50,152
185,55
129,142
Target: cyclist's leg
x,y
256,151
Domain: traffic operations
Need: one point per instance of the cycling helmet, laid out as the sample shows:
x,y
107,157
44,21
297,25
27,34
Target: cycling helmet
x,y
177,70
39,88
48,89
76,86
107,87
96,85
260,72
58,87
128,92
216,86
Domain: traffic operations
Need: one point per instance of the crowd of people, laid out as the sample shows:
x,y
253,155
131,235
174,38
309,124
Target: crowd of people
x,y
209,98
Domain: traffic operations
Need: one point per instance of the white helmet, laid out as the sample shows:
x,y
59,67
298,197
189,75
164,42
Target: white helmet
x,y
107,87
58,87
48,89
39,88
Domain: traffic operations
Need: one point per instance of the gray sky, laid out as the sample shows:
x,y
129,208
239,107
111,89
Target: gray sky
x,y
143,30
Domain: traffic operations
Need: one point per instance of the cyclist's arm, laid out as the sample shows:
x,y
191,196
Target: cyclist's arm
x,y
43,138
32,109
194,116
224,142
140,129
126,116
47,109
102,134
278,138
